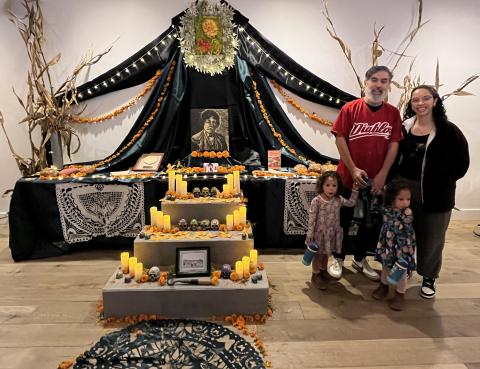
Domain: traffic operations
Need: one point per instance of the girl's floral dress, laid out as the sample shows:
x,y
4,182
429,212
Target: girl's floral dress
x,y
397,238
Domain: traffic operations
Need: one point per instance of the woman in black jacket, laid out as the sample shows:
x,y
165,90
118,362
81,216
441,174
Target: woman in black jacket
x,y
433,156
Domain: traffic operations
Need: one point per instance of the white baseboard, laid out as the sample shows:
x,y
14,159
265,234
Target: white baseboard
x,y
466,214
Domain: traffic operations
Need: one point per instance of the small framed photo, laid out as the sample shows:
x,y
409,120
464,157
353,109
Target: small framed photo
x,y
192,262
149,162
210,167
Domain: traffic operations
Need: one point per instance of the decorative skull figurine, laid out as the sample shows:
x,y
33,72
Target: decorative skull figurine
x,y
214,224
196,192
214,192
182,224
205,223
205,192
154,273
170,197
194,224
226,271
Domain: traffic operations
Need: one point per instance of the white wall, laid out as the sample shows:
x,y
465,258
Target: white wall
x,y
297,27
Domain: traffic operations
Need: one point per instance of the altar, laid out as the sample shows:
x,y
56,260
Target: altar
x,y
45,222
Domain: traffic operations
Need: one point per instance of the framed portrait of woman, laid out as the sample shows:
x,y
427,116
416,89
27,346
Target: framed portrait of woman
x,y
209,129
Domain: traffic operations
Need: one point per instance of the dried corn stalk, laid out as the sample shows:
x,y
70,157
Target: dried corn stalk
x,y
46,108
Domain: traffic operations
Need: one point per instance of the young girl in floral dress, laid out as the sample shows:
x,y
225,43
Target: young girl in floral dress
x,y
324,224
396,244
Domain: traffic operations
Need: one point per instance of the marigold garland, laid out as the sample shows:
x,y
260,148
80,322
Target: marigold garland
x,y
210,154
277,135
121,109
297,106
152,115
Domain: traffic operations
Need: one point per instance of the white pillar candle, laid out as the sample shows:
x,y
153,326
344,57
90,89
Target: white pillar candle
x,y
246,264
138,271
253,260
226,190
166,222
159,219
230,182
171,180
243,215
236,218
131,265
236,181
153,210
178,181
184,187
239,269
124,257
229,222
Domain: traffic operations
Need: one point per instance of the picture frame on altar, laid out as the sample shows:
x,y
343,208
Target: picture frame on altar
x,y
192,262
149,162
210,167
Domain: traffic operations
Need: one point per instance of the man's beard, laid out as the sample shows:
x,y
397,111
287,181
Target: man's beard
x,y
375,97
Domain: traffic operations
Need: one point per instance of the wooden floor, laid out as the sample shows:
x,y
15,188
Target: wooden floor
x,y
47,313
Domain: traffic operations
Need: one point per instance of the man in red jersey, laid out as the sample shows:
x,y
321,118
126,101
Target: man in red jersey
x,y
367,132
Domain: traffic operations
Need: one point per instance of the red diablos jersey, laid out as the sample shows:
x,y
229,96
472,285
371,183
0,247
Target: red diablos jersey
x,y
368,135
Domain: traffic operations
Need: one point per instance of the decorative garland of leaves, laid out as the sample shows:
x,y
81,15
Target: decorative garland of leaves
x,y
206,37
297,106
277,135
139,133
121,109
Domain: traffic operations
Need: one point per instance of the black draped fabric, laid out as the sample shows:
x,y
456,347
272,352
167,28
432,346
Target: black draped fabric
x,y
170,131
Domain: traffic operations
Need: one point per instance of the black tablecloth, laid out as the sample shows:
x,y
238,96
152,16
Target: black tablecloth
x,y
36,231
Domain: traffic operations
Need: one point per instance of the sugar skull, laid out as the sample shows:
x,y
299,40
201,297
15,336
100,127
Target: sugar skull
x,y
214,224
182,224
214,192
154,273
194,225
205,192
196,192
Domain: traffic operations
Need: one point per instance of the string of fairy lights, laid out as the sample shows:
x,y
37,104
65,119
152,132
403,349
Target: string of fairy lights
x,y
289,76
142,60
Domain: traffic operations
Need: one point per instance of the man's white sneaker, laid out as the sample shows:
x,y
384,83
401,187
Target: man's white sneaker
x,y
335,269
364,267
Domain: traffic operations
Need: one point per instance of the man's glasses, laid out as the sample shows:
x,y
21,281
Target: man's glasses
x,y
423,99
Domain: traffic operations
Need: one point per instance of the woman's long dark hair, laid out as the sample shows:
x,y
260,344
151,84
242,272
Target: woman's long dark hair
x,y
439,114
325,176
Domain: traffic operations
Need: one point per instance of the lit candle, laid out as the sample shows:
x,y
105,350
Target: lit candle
x,y
138,271
229,222
243,214
159,219
230,182
166,222
236,181
253,260
236,218
132,261
184,187
153,210
239,269
171,180
124,256
246,264
225,189
178,181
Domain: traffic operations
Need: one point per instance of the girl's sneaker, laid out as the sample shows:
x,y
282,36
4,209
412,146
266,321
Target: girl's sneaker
x,y
428,288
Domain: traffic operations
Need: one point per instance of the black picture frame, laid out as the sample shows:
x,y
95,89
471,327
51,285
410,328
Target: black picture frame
x,y
192,261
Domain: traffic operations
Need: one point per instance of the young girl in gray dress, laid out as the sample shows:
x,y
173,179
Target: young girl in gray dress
x,y
324,223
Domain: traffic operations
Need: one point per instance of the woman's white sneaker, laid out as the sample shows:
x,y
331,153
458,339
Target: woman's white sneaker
x,y
364,267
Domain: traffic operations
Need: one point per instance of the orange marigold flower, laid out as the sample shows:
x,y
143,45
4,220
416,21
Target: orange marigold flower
x,y
162,281
234,276
260,266
217,273
214,281
194,154
65,364
246,275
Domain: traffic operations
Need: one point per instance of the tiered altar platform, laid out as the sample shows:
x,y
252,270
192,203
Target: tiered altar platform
x,y
182,301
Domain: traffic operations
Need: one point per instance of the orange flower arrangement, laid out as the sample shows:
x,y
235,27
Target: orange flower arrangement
x,y
214,281
121,109
297,106
210,154
144,278
260,266
234,276
139,133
